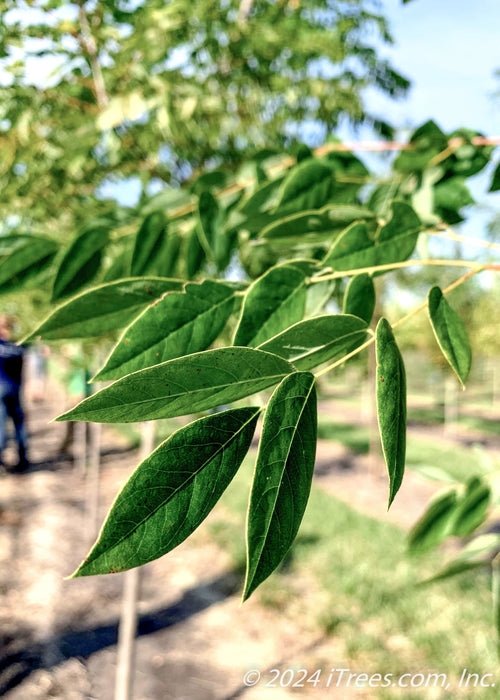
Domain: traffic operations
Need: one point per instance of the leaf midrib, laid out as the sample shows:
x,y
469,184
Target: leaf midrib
x,y
278,489
193,475
172,334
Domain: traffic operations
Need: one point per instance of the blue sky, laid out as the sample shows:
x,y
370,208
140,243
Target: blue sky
x,y
449,49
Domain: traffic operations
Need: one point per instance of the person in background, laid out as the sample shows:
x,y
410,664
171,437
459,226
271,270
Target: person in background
x,y
11,366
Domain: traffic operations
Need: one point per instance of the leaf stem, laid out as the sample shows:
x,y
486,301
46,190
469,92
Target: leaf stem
x,y
406,318
451,235
398,265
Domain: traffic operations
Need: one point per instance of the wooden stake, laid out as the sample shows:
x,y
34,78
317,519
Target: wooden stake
x,y
131,590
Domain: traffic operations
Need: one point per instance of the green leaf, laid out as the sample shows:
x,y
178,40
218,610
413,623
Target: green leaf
x,y
391,405
309,185
273,302
180,323
450,333
329,220
185,385
25,261
81,262
472,508
477,553
148,243
283,475
318,294
172,492
495,180
359,299
195,255
208,211
435,524
103,309
316,340
426,143
396,241
258,200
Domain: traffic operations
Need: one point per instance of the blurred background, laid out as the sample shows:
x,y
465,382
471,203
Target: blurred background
x,y
110,110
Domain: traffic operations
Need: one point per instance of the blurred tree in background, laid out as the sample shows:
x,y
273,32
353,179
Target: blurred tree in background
x,y
98,92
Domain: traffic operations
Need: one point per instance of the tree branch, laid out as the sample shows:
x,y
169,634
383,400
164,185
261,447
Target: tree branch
x,y
89,45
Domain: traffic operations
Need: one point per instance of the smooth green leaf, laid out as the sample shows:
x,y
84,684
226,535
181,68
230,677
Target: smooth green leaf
x,y
185,385
148,243
195,255
318,294
396,241
435,524
450,333
426,142
329,220
81,262
103,309
25,261
273,302
208,211
316,340
208,181
308,185
172,491
495,180
472,508
359,299
262,196
477,553
13,241
283,475
180,323
391,404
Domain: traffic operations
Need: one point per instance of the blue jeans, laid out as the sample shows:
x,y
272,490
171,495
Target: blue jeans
x,y
10,406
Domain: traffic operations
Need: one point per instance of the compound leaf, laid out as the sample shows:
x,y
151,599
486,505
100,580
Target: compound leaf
x,y
172,492
283,475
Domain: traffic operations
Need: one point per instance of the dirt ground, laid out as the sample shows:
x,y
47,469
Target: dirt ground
x,y
58,637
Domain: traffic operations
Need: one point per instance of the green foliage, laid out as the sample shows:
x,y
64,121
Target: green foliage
x,y
283,475
172,492
391,405
189,384
450,333
80,262
177,324
157,90
272,303
395,242
359,299
311,240
107,307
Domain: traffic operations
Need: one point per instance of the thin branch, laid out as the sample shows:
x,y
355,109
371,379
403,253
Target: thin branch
x,y
89,45
406,318
244,10
451,235
396,266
